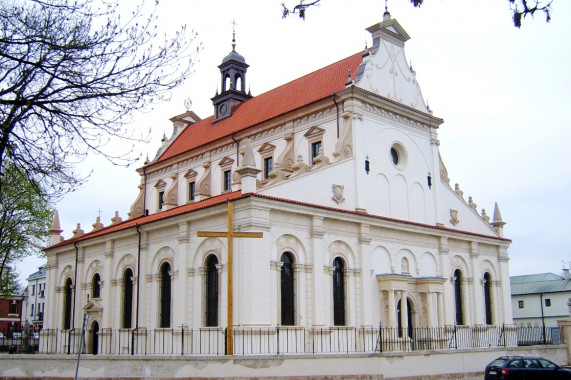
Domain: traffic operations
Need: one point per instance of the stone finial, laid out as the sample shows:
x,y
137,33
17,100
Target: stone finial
x,y
248,170
299,167
485,216
56,230
472,204
78,231
459,192
97,225
248,159
116,219
497,222
321,160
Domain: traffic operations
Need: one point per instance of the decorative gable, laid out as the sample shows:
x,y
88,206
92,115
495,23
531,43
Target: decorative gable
x,y
385,70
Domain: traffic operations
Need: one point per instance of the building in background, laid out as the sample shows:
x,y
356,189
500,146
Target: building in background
x,y
11,314
539,300
34,302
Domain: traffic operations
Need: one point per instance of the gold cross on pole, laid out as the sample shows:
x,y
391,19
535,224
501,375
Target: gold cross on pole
x,y
230,235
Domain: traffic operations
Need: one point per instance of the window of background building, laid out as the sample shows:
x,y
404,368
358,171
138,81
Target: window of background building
x,y
548,302
520,304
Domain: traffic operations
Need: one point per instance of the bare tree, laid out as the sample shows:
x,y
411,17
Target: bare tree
x,y
520,9
298,9
71,74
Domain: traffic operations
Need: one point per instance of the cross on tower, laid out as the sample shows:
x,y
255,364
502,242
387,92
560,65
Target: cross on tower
x,y
230,235
234,34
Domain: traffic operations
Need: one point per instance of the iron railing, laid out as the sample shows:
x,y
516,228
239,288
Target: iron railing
x,y
283,340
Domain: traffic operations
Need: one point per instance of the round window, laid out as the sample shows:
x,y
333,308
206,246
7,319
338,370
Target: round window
x,y
398,156
395,156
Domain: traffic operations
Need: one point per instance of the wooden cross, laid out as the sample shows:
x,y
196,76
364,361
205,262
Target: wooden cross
x,y
230,235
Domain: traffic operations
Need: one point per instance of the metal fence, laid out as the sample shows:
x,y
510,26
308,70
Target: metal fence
x,y
283,340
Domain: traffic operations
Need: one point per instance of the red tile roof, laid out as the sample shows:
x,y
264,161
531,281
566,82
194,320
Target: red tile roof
x,y
288,97
223,198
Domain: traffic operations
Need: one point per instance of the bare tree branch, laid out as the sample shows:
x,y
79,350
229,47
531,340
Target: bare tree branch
x,y
72,72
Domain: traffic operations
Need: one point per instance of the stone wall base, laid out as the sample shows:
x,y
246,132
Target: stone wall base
x,y
419,365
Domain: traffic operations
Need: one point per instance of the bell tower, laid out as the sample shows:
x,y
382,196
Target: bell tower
x,y
233,84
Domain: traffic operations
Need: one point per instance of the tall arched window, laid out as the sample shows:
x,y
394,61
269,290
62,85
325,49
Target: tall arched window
x,y
211,294
95,286
458,296
67,300
127,298
338,292
287,290
165,317
488,297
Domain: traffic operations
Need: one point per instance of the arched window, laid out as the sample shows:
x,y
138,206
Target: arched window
x,y
165,301
458,296
211,301
287,290
95,286
67,300
238,83
227,83
488,297
127,298
338,292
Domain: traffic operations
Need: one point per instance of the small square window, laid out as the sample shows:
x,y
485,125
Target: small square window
x,y
520,304
315,150
191,190
268,166
548,302
227,180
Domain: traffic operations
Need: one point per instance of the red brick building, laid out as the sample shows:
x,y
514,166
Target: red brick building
x,y
10,314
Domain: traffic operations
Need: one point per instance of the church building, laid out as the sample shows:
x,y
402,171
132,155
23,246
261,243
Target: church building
x,y
320,205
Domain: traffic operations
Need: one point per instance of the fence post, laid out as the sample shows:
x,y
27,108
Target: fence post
x,y
380,338
182,340
226,341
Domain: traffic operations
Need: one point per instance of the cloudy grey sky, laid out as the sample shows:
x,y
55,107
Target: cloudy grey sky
x,y
502,92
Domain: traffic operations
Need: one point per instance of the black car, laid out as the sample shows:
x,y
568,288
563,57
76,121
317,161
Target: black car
x,y
525,367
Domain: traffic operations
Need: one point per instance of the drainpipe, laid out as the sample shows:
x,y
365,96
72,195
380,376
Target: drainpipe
x,y
138,276
144,193
73,305
337,112
237,148
138,287
75,287
542,317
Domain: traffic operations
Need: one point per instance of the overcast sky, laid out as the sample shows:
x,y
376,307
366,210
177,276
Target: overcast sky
x,y
503,94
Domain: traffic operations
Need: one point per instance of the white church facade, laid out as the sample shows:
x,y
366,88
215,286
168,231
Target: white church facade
x,y
343,217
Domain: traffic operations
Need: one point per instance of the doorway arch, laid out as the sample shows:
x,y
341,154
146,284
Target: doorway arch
x,y
94,332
